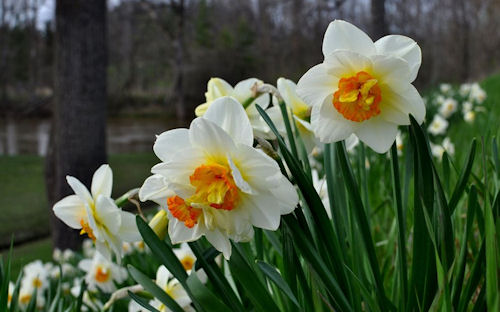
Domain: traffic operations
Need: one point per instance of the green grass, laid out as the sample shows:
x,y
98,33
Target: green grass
x,y
23,205
24,254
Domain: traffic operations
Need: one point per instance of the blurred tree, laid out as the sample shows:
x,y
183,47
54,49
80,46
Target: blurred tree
x,y
78,144
379,23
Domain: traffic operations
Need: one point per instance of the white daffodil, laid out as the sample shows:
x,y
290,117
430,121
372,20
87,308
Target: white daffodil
x,y
102,273
243,93
10,293
464,89
437,151
321,188
438,125
188,259
448,146
466,107
477,94
96,214
440,99
445,88
88,248
363,87
399,143
135,307
448,107
35,276
223,185
469,116
88,299
173,288
300,113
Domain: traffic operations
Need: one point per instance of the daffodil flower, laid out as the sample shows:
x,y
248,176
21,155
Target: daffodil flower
x,y
173,288
448,107
96,214
102,273
223,186
438,125
299,111
362,87
243,93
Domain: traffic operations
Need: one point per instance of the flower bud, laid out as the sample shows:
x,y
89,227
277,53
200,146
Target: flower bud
x,y
159,224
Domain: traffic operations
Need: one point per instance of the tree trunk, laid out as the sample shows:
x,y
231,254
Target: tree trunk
x,y
379,24
78,145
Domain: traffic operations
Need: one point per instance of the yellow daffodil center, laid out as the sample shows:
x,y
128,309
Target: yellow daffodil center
x,y
37,283
358,97
86,229
187,262
215,188
25,299
102,274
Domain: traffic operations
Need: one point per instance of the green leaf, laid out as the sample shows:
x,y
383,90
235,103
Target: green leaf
x,y
143,302
273,274
401,221
216,277
5,279
462,180
459,277
475,276
492,265
156,291
204,297
251,281
161,251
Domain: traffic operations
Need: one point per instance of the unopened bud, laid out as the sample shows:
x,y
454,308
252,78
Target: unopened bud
x,y
267,148
159,224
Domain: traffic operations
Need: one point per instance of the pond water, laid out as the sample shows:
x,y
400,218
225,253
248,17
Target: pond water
x,y
124,135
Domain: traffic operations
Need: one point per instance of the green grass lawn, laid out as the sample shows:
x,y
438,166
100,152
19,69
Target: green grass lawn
x,y
23,205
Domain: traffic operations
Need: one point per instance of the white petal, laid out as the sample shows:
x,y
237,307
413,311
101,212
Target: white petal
x,y
398,103
210,137
102,181
85,265
220,242
343,63
286,196
243,90
229,114
170,142
179,233
181,166
71,210
343,35
108,213
162,276
238,178
80,190
262,101
128,229
403,47
329,125
317,84
258,168
277,118
155,188
391,70
377,134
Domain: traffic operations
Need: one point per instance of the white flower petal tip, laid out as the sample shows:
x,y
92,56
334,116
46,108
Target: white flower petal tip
x,y
229,114
362,88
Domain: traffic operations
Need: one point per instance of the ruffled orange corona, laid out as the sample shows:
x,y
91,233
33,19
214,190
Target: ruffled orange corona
x,y
183,212
358,97
102,275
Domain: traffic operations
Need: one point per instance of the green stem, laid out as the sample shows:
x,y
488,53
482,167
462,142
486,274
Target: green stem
x,y
401,227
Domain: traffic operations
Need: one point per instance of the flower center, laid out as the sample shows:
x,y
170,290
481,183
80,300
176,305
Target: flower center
x,y
358,97
215,188
187,262
101,274
25,299
37,283
86,229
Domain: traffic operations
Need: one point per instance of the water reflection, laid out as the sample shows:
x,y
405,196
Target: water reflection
x,y
124,135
